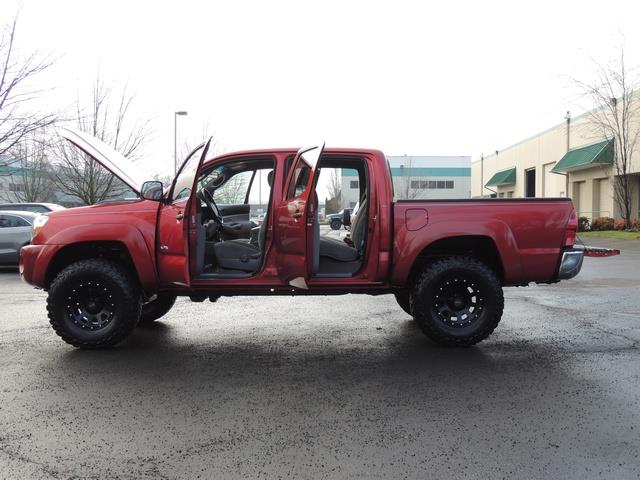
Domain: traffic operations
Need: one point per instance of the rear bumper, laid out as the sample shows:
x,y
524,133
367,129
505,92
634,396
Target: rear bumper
x,y
571,262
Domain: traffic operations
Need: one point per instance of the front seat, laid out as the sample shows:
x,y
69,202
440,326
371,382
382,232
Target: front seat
x,y
338,249
240,253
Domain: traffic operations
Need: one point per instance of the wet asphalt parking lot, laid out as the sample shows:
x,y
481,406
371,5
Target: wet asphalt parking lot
x,y
332,387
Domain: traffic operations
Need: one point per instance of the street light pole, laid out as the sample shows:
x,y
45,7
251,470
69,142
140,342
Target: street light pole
x,y
175,139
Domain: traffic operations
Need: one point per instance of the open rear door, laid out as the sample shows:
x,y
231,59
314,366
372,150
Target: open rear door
x,y
174,221
295,218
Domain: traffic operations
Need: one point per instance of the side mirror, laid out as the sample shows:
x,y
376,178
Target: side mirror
x,y
152,190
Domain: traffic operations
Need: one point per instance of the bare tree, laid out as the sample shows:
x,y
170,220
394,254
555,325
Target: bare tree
x,y
616,116
233,191
31,176
405,187
17,92
78,174
189,142
335,185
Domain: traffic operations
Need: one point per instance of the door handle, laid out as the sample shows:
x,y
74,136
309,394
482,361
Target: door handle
x,y
180,216
297,215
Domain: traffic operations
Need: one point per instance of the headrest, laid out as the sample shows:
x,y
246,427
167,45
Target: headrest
x,y
270,178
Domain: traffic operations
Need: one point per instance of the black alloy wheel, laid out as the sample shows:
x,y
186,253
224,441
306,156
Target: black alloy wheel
x,y
91,305
457,301
94,303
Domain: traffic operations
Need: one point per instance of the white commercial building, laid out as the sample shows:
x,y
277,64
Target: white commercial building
x,y
419,177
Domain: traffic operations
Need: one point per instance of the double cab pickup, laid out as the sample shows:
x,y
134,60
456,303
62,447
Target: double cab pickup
x,y
109,266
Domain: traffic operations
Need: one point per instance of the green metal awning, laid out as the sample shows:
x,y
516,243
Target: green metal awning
x,y
598,154
504,177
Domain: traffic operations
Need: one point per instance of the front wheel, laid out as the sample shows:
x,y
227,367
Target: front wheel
x,y
159,307
93,303
457,301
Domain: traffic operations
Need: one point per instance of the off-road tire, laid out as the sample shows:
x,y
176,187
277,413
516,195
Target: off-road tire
x,y
403,299
335,224
436,304
79,283
157,308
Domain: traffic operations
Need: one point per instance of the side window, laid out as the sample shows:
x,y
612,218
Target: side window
x,y
9,221
299,181
234,191
184,182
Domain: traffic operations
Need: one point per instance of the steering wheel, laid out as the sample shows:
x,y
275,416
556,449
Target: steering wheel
x,y
215,211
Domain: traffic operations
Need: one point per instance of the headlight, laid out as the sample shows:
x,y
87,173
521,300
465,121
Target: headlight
x,y
38,223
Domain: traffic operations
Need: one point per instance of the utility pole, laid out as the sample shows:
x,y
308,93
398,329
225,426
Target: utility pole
x,y
481,175
566,175
175,140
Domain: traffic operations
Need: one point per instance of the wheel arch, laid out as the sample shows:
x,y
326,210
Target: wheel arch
x,y
114,250
481,247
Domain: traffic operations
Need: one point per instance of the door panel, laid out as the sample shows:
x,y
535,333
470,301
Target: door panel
x,y
172,243
291,218
172,248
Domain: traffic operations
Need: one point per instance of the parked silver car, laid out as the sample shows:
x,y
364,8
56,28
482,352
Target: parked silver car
x,y
15,232
31,207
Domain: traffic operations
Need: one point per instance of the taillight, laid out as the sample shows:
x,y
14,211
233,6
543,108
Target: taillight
x,y
572,228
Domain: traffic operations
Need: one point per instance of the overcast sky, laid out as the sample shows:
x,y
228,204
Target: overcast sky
x,y
416,78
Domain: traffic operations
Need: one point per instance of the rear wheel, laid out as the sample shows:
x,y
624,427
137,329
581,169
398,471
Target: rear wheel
x,y
335,224
93,303
157,308
457,301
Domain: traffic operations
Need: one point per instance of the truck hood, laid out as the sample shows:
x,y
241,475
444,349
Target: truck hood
x,y
114,161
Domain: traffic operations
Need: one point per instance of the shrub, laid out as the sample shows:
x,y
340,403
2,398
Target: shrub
x,y
602,223
633,225
618,224
583,224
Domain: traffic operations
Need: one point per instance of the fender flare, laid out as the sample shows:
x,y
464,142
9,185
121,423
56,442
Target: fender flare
x,y
418,241
129,236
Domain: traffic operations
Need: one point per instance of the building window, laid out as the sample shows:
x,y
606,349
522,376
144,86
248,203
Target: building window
x,y
354,184
16,187
432,184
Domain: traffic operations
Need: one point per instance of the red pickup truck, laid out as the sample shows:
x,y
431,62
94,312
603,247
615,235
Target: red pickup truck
x,y
107,267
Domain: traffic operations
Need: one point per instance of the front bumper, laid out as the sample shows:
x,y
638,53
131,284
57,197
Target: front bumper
x,y
28,260
571,262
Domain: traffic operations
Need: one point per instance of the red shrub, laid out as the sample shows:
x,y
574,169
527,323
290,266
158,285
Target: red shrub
x,y
618,224
602,223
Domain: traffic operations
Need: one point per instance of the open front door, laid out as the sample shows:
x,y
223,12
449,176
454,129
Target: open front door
x,y
172,238
295,218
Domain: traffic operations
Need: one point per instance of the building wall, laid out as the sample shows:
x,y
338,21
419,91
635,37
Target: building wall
x,y
590,189
421,177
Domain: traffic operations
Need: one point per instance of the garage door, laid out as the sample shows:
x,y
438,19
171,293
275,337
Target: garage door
x,y
583,200
605,198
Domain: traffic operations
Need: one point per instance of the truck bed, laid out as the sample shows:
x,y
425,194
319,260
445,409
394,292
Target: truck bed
x,y
526,235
